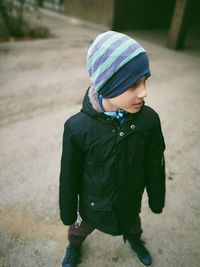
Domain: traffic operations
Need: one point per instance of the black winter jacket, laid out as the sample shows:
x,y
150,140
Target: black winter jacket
x,y
105,167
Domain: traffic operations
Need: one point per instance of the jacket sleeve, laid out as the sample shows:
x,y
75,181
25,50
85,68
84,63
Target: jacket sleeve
x,y
155,170
70,177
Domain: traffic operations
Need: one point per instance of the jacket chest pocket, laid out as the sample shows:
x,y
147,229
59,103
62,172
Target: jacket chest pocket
x,y
133,146
133,152
136,147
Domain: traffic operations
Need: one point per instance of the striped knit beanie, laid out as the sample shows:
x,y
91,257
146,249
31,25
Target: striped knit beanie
x,y
115,62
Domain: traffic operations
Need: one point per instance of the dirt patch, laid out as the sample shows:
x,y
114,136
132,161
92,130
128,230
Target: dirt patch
x,y
29,226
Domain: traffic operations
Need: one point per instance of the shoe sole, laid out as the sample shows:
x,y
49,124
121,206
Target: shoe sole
x,y
79,261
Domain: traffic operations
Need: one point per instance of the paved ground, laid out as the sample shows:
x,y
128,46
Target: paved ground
x,y
42,83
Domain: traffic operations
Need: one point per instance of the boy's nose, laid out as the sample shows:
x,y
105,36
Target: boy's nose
x,y
142,92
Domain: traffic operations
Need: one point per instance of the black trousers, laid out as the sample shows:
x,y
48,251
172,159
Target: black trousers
x,y
78,233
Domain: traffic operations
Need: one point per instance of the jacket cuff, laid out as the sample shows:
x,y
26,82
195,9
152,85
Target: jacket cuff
x,y
68,221
156,207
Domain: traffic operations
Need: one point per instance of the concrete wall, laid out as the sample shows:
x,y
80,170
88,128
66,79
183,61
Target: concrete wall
x,y
97,11
129,14
122,14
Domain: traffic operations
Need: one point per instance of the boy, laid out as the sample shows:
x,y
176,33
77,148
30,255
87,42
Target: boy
x,y
112,150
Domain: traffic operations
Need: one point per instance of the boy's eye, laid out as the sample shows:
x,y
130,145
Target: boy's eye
x,y
135,84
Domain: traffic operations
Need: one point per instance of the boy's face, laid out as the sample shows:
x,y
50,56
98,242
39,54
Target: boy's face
x,y
131,100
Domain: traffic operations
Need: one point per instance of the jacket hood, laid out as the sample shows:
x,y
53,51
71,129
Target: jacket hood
x,y
91,104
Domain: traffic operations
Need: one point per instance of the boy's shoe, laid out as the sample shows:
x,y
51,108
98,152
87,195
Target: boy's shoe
x,y
72,256
137,245
141,252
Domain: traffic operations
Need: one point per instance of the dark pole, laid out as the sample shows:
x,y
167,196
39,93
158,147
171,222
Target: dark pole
x,y
179,25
